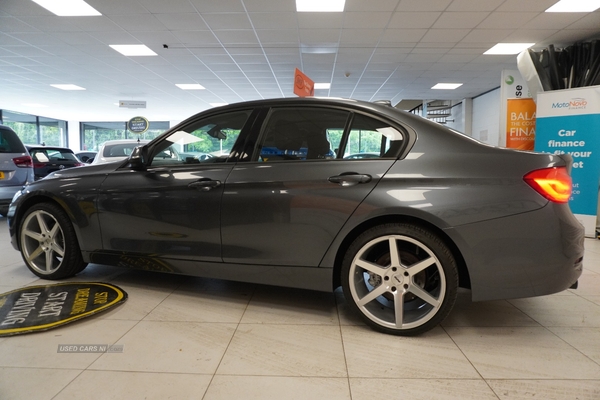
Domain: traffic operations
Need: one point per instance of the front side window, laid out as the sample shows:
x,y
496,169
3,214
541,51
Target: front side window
x,y
210,139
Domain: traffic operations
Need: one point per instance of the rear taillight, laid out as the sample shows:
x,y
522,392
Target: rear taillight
x,y
23,162
553,183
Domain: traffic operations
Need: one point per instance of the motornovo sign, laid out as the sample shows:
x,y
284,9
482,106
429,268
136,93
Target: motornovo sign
x,y
39,308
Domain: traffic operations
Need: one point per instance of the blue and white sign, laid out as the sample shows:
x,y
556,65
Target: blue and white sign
x,y
568,122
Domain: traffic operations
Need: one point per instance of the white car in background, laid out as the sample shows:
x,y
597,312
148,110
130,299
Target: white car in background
x,y
116,150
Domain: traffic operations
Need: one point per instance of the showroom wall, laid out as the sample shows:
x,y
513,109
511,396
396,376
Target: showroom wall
x,y
486,117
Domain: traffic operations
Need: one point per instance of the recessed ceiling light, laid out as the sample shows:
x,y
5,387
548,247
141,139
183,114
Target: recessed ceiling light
x,y
320,5
323,85
68,8
67,87
449,86
218,104
190,86
509,48
133,49
575,6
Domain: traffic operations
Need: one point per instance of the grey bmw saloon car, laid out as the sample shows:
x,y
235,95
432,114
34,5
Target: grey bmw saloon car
x,y
280,203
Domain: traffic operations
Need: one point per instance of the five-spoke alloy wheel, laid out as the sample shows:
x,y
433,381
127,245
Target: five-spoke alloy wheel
x,y
401,278
49,244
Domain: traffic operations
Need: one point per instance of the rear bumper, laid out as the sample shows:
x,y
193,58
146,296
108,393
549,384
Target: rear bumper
x,y
6,195
526,255
8,192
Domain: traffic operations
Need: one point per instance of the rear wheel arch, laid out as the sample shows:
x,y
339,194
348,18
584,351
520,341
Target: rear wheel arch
x,y
463,272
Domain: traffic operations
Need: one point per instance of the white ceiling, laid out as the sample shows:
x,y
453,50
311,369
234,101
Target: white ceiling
x,y
248,49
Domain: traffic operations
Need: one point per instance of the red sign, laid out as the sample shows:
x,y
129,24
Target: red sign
x,y
303,85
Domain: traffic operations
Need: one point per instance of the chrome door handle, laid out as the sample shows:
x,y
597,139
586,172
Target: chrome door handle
x,y
204,184
350,179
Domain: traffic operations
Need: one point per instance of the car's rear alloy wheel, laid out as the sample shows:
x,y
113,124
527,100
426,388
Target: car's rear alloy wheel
x,y
49,244
402,279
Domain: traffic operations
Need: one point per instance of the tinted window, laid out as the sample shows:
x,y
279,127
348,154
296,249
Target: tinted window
x,y
372,138
305,133
49,154
10,143
207,140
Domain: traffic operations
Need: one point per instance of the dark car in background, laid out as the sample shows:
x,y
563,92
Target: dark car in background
x,y
47,159
16,168
435,210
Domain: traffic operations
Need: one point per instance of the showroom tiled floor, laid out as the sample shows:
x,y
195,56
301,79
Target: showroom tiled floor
x,y
192,338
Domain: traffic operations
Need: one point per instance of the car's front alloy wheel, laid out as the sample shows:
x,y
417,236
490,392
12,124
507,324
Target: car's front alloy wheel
x,y
48,243
402,279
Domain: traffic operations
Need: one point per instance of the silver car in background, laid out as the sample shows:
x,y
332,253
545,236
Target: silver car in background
x,y
16,167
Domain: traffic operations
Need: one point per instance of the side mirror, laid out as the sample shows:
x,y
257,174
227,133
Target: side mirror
x,y
138,160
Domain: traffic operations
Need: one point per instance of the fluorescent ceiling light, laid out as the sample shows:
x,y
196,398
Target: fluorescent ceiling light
x,y
133,49
218,104
575,6
190,86
509,48
68,87
323,85
68,8
323,48
320,5
447,86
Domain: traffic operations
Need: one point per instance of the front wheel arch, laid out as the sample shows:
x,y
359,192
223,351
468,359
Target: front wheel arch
x,y
48,242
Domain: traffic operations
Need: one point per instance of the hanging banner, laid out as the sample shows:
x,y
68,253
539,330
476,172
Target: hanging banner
x,y
303,85
568,122
514,87
520,124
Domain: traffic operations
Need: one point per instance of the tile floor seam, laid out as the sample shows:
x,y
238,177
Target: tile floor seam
x,y
466,357
337,308
137,322
229,343
70,382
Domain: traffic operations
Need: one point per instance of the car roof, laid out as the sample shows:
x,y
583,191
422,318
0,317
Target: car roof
x,y
124,141
42,147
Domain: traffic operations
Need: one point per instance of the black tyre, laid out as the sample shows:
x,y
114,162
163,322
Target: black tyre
x,y
48,243
401,278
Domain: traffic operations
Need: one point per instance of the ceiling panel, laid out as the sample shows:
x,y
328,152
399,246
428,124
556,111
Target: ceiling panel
x,y
248,49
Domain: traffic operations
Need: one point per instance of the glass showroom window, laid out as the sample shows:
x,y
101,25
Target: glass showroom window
x,y
52,132
36,130
93,134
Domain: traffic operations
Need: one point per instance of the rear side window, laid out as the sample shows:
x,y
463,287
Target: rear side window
x,y
307,133
303,133
10,142
371,138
